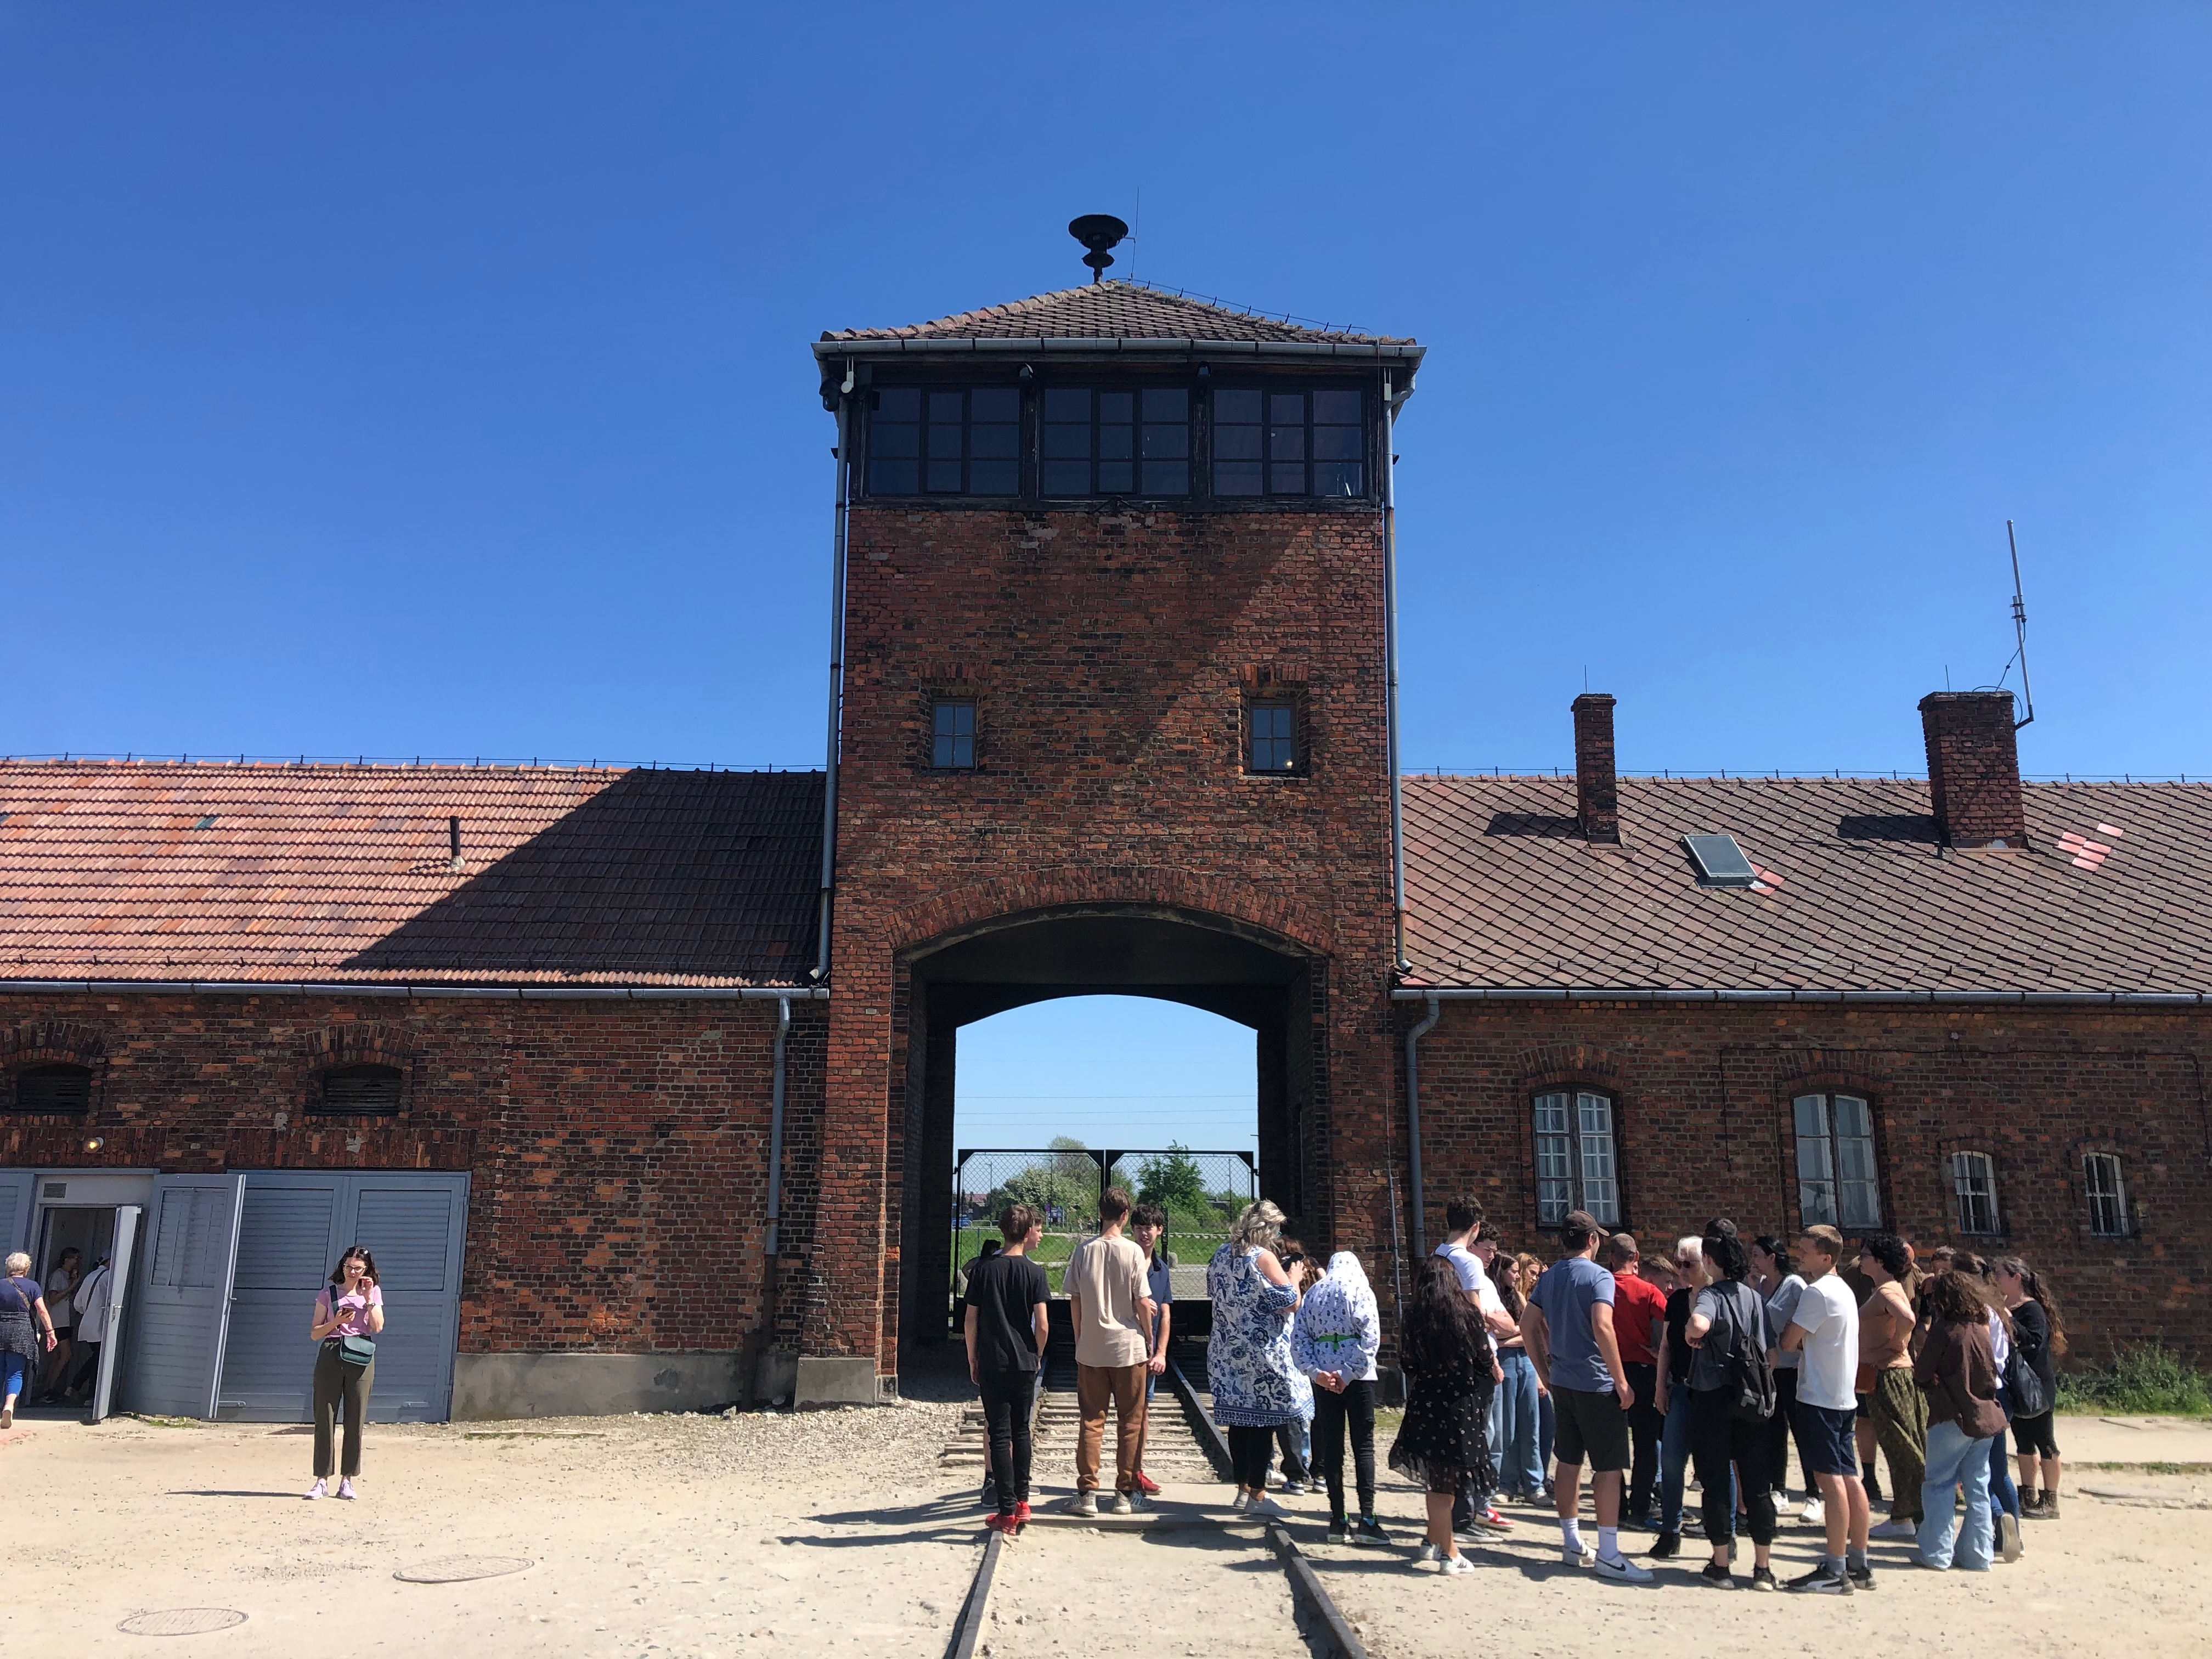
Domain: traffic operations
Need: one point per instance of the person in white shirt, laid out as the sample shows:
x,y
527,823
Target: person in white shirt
x,y
90,1303
1463,1216
1824,1331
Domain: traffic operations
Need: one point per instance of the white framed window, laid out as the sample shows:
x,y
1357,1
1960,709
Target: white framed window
x,y
2106,1187
1837,1183
1974,1191
1577,1164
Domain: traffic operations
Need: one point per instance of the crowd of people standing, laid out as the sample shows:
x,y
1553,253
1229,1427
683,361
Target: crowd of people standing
x,y
1712,1362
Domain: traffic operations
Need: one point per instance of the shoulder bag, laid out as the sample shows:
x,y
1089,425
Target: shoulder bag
x,y
357,1352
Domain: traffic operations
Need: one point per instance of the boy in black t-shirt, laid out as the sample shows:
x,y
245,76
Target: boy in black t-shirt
x,y
1005,1320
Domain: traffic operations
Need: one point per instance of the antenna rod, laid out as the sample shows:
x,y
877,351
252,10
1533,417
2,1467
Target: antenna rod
x,y
2020,628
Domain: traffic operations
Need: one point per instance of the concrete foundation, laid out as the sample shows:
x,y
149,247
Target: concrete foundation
x,y
504,1385
843,1382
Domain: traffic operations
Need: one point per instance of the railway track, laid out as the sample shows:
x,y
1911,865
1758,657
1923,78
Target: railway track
x,y
1186,1576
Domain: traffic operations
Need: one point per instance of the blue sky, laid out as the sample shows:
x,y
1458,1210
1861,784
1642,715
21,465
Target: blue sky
x,y
435,381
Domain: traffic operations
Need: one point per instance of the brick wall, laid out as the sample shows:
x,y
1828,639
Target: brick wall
x,y
1702,1105
1110,655
618,1150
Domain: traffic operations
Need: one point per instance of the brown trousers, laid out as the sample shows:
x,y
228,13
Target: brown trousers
x,y
1124,1385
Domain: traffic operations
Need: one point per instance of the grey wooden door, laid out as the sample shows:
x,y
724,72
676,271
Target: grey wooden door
x,y
17,1191
176,1332
296,1223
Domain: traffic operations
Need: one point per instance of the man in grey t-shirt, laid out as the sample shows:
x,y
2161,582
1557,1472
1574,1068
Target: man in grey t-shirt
x,y
1568,1326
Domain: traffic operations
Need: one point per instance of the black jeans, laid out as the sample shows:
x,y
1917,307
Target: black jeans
x,y
1251,1451
1782,1429
1008,1399
1717,1438
1332,1413
1648,1427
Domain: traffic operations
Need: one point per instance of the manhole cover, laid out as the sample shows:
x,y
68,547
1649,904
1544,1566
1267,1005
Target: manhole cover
x,y
181,1622
453,1568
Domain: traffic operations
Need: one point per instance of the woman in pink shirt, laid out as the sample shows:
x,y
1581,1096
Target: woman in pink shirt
x,y
349,1313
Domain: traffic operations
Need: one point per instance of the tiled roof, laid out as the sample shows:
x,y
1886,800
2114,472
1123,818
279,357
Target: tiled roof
x,y
1501,893
1110,311
336,873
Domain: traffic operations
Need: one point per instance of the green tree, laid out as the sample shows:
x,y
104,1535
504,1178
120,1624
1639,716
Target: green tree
x,y
1174,1181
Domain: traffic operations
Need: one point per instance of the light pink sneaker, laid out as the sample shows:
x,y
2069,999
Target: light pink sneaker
x,y
345,1489
318,1490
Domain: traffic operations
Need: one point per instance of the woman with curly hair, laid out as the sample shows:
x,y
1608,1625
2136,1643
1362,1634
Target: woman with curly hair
x,y
1256,1388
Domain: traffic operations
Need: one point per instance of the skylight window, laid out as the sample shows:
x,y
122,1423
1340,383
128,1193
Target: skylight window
x,y
1720,861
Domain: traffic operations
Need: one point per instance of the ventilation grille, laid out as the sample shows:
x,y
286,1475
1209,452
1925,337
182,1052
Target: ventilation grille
x,y
362,1089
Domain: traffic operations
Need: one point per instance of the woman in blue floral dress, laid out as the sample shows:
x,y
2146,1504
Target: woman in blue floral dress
x,y
1256,1388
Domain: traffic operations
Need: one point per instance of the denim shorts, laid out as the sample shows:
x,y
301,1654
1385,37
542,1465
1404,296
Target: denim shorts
x,y
1826,1442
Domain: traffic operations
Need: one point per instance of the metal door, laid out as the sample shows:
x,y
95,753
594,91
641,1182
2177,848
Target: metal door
x,y
127,1217
295,1223
183,1315
18,1190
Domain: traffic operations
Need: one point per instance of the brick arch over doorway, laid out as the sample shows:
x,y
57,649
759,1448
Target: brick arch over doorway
x,y
1272,982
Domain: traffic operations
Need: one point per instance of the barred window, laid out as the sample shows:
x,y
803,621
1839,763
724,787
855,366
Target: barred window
x,y
2108,1194
360,1090
53,1089
1575,1165
1135,442
1837,1181
1974,1186
952,739
963,442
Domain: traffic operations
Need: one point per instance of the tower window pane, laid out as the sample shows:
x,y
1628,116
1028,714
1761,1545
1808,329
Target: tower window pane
x,y
1117,443
952,740
1304,443
946,442
1274,745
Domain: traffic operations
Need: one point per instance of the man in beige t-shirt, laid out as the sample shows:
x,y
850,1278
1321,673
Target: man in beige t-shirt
x,y
1107,1295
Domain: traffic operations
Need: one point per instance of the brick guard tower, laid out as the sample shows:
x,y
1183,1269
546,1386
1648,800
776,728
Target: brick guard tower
x,y
1115,719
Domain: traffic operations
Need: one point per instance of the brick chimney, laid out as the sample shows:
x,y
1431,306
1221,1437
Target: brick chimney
x,y
1597,794
1973,767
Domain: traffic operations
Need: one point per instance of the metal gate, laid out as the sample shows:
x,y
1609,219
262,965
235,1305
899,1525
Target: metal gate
x,y
1201,1191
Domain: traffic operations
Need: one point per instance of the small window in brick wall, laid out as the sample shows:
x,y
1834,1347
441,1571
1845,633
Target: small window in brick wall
x,y
1577,1167
360,1090
52,1089
2107,1188
952,734
1271,743
1974,1189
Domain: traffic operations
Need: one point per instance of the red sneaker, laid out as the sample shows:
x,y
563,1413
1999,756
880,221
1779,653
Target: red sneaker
x,y
1021,1515
1490,1518
995,1522
1146,1485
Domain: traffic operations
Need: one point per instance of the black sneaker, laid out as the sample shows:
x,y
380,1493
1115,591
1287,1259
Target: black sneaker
x,y
1368,1530
1762,1578
1823,1580
1666,1546
1717,1575
1861,1578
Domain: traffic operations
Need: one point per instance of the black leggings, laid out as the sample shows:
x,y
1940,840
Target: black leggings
x,y
1717,1438
1332,1413
1251,1451
1008,1398
1782,1429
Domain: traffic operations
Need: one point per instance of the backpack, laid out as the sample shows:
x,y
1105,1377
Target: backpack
x,y
1750,1378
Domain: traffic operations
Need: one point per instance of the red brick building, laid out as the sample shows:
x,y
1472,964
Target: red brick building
x,y
1114,573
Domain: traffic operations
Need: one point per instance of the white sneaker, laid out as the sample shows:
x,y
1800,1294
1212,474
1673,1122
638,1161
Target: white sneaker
x,y
1815,1514
345,1489
1894,1529
1085,1504
318,1490
1241,1498
1267,1509
1622,1570
1426,1553
1569,1556
1455,1564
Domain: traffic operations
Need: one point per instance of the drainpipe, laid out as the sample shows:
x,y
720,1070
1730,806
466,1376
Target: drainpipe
x,y
763,1339
837,666
1390,718
1413,1117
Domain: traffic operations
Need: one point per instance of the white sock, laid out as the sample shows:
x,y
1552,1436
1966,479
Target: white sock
x,y
1571,1530
1608,1543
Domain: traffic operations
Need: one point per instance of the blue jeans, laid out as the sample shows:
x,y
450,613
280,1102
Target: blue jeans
x,y
2004,1496
1514,1421
1955,1459
14,1374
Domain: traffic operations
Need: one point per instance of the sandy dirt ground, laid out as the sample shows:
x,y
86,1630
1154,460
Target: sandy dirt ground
x,y
845,1534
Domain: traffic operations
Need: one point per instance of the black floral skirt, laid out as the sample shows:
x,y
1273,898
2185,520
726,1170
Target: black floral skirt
x,y
1444,1441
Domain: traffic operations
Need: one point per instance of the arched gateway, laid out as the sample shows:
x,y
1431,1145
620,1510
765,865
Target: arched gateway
x,y
1114,717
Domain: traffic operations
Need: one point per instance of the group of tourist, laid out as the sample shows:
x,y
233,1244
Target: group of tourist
x,y
1712,1361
